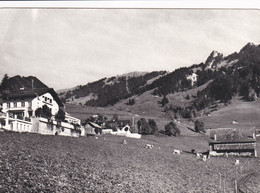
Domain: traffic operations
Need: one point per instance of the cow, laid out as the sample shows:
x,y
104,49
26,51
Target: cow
x,y
237,162
176,151
213,153
149,146
198,155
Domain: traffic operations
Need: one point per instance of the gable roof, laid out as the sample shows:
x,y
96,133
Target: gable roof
x,y
32,93
231,135
94,125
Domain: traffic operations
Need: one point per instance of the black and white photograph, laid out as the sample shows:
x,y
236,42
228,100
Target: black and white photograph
x,y
113,99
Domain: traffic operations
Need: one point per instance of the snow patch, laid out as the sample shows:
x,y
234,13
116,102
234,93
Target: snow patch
x,y
215,54
225,63
210,64
193,78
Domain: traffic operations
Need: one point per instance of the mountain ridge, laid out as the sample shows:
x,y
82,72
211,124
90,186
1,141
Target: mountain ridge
x,y
223,71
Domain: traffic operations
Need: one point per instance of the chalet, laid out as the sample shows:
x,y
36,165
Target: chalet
x,y
24,103
117,123
20,112
230,141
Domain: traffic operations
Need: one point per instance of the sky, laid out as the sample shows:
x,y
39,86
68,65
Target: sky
x,y
69,47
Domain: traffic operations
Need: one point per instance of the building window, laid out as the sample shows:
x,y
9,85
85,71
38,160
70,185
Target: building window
x,y
23,104
8,105
45,99
50,100
15,104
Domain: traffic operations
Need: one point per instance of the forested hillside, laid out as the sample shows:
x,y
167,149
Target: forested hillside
x,y
225,77
108,91
234,75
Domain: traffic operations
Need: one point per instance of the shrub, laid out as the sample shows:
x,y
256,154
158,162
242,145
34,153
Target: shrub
x,y
172,129
147,128
131,102
143,127
60,115
46,111
153,126
115,117
186,113
164,101
199,126
38,112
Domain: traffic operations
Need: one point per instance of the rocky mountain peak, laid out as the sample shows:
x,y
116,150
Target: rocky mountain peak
x,y
248,48
213,59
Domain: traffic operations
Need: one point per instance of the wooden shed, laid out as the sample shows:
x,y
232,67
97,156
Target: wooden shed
x,y
230,141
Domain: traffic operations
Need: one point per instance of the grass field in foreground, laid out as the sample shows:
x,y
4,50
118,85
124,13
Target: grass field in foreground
x,y
37,163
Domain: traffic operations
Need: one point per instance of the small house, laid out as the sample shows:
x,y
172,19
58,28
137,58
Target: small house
x,y
231,141
92,128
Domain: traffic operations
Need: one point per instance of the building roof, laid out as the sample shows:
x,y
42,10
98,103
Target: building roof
x,y
32,93
231,135
94,125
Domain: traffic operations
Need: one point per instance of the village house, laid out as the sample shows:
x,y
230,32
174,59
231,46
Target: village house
x,y
20,113
232,142
71,119
23,103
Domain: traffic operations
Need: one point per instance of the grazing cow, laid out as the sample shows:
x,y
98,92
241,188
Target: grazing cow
x,y
124,142
149,146
237,162
176,151
193,151
198,155
204,158
234,122
213,153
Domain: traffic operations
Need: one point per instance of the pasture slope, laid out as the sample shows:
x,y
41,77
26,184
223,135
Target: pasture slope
x,y
246,114
37,163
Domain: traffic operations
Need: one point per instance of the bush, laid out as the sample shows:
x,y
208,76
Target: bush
x,y
131,102
60,115
199,126
164,101
143,127
46,111
152,124
147,128
172,129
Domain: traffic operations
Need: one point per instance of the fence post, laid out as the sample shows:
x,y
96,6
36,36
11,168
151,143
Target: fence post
x,y
235,186
220,182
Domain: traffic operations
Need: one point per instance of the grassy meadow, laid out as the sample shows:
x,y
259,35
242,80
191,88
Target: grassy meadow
x,y
38,163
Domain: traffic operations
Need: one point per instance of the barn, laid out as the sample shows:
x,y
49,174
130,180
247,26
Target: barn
x,y
232,142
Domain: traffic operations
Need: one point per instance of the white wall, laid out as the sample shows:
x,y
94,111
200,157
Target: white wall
x,y
21,126
65,129
39,102
18,107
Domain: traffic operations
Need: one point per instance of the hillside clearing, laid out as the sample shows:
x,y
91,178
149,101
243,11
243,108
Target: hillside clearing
x,y
246,114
